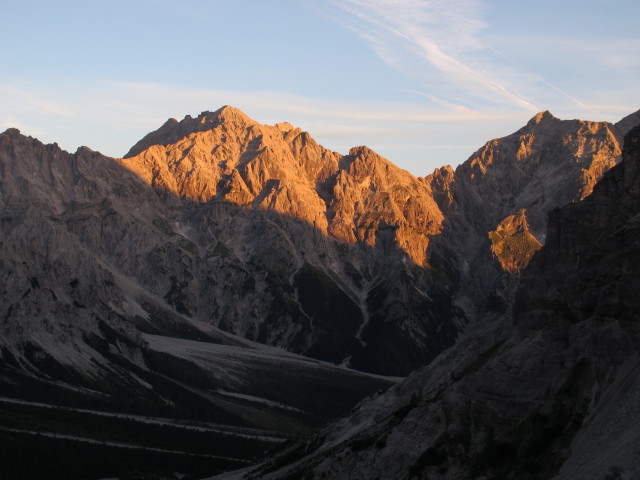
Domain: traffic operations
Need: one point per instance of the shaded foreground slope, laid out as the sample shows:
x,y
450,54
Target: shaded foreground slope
x,y
549,392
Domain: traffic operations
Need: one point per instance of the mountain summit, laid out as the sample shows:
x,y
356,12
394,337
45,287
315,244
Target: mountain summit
x,y
172,130
541,117
227,156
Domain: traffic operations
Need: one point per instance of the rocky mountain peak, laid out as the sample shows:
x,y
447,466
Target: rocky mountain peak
x,y
11,132
287,127
173,130
224,155
261,232
541,117
361,151
363,161
549,391
226,114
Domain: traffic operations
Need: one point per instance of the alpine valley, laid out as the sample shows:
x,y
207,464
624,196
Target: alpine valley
x,y
226,293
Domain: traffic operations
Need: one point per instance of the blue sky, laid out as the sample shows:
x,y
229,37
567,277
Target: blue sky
x,y
423,82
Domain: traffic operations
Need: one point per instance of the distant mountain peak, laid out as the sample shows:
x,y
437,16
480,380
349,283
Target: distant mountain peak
x,y
173,130
541,117
12,132
225,114
361,150
366,156
287,127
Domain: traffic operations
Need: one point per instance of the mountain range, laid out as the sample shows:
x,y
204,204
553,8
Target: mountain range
x,y
220,259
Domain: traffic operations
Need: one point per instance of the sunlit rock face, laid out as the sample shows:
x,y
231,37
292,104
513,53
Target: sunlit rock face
x,y
548,391
442,221
512,244
224,155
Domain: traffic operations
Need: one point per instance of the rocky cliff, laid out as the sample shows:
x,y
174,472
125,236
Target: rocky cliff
x,y
226,156
546,164
102,279
189,272
549,391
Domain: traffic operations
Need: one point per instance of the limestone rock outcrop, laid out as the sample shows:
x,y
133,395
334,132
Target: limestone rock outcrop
x,y
442,221
512,243
226,156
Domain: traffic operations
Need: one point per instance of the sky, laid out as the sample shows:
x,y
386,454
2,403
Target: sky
x,y
425,83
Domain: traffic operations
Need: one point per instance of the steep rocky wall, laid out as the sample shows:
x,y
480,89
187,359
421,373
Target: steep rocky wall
x,y
544,165
548,392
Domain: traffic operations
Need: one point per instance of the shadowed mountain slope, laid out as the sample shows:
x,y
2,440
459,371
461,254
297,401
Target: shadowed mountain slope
x,y
449,222
252,272
544,165
547,392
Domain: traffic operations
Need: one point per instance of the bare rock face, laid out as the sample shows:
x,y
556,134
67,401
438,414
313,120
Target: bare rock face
x,y
62,214
380,213
224,231
443,221
226,156
512,243
373,194
549,391
546,164
627,123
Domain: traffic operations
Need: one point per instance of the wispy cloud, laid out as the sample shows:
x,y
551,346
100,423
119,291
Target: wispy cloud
x,y
153,99
25,99
427,38
546,83
457,59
